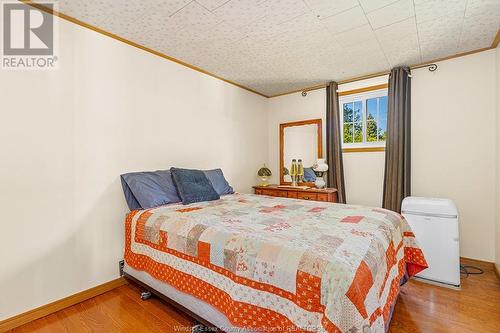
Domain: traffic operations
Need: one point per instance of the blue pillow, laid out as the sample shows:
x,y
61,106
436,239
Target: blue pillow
x,y
149,189
309,175
219,183
193,186
132,202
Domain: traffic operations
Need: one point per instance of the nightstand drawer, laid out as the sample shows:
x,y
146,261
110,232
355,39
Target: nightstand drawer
x,y
272,193
306,196
322,197
313,194
282,194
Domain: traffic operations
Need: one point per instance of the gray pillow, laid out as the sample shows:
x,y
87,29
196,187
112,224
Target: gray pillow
x,y
149,189
219,183
193,186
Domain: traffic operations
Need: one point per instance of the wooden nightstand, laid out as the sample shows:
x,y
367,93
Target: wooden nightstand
x,y
314,194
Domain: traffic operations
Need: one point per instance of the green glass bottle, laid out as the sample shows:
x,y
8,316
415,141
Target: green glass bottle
x,y
300,172
293,172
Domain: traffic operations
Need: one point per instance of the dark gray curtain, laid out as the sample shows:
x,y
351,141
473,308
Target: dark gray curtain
x,y
397,181
335,172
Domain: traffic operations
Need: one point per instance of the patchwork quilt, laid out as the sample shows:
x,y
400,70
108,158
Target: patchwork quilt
x,y
268,262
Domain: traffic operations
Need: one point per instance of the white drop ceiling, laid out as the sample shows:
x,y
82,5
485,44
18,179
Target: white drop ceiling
x,y
276,46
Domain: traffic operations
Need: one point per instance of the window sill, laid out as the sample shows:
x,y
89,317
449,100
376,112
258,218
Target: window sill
x,y
363,149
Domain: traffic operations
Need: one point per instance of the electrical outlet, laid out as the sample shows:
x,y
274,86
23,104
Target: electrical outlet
x,y
121,264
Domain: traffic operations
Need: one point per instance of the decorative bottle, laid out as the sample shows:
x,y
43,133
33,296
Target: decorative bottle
x,y
293,172
300,172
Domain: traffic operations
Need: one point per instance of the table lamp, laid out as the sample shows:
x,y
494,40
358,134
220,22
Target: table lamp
x,y
319,169
264,173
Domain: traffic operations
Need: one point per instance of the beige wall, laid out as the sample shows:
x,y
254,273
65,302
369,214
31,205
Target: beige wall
x,y
363,185
497,200
111,108
453,138
67,135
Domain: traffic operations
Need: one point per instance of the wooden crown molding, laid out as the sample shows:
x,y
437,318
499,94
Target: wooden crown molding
x,y
45,310
180,62
365,89
496,40
134,44
363,150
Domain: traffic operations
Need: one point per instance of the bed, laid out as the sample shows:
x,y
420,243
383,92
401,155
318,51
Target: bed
x,y
274,264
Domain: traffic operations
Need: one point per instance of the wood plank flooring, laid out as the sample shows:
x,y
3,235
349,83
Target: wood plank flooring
x,y
420,308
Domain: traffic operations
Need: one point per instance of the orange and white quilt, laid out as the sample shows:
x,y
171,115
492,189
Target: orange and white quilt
x,y
268,263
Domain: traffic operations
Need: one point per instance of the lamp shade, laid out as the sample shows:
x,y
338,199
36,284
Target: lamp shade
x,y
264,172
320,165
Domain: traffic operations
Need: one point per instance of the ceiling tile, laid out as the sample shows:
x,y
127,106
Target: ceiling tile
x,y
225,33
433,9
370,5
481,7
430,52
325,8
356,36
478,31
399,42
274,46
193,17
390,14
344,21
211,4
440,29
92,11
239,13
265,28
367,53
398,32
278,11
435,49
192,20
306,23
440,37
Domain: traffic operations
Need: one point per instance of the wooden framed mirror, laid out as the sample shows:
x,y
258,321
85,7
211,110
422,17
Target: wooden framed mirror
x,y
300,140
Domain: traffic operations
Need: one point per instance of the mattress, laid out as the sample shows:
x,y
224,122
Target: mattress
x,y
268,263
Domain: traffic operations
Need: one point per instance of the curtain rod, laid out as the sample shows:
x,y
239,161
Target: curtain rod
x,y
431,67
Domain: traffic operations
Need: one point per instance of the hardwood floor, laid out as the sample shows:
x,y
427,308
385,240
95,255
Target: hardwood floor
x,y
119,310
421,308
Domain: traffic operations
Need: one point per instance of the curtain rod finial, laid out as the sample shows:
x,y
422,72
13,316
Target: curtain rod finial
x,y
432,67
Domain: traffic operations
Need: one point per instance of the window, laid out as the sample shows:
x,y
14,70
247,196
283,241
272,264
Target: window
x,y
364,119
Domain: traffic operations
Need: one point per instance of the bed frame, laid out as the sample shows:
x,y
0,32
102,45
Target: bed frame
x,y
201,324
147,292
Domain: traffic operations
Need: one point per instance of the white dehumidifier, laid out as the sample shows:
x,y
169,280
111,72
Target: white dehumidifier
x,y
435,225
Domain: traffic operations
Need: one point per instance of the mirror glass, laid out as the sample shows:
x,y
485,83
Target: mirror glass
x,y
300,142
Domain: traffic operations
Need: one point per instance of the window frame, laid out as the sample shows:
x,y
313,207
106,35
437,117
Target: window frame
x,y
363,97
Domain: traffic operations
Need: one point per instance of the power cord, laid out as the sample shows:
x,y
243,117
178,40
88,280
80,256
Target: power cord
x,y
470,270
